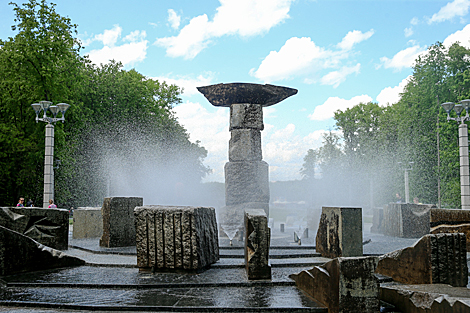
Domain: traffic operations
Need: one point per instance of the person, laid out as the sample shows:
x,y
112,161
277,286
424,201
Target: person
x,y
29,203
416,200
399,199
20,202
51,204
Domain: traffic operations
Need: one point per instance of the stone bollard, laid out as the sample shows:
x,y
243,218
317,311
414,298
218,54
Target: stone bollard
x,y
343,284
340,232
87,223
171,238
282,227
118,221
434,259
257,241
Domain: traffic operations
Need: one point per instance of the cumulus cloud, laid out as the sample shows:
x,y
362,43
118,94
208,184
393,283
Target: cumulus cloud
x,y
233,17
174,19
451,10
404,58
332,104
408,31
462,36
337,77
391,95
133,50
188,83
302,57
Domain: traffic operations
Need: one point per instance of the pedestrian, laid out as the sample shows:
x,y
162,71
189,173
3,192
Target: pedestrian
x,y
399,198
51,204
20,202
29,203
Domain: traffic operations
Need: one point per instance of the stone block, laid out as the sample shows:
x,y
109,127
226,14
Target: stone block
x,y
257,241
171,238
340,232
377,220
118,221
87,223
462,228
246,116
47,226
434,259
449,217
343,284
406,220
20,253
424,298
246,182
245,145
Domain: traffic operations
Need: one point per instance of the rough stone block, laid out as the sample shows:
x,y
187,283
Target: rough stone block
x,y
449,217
434,259
118,221
87,223
47,226
438,298
246,116
170,238
20,253
246,182
245,145
462,228
406,220
340,232
257,241
343,284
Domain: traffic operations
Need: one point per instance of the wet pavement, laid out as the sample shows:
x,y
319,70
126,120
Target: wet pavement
x,y
111,282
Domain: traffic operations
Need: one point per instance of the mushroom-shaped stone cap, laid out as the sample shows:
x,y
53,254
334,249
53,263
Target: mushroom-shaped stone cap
x,y
225,95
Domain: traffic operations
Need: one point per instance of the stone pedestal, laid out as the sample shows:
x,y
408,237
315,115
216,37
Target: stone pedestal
x,y
406,220
47,226
118,221
340,232
171,238
87,223
257,240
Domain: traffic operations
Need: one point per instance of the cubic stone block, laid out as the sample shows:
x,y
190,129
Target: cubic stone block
x,y
406,220
434,259
449,217
87,223
47,226
343,284
246,116
340,232
20,253
245,145
170,238
118,221
257,241
377,220
246,182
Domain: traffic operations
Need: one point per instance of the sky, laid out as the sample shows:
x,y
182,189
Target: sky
x,y
335,53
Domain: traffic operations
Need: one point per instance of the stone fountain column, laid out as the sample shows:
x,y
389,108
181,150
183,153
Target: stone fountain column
x,y
246,174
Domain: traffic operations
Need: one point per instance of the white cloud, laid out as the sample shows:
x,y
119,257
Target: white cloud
x,y
451,10
354,37
174,19
337,77
414,21
233,17
409,31
332,104
188,83
462,36
391,95
135,50
404,58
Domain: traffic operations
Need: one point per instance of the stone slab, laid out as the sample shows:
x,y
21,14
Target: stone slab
x,y
87,223
47,226
449,217
257,242
246,182
434,259
407,220
171,238
20,253
343,284
340,232
245,145
246,116
118,221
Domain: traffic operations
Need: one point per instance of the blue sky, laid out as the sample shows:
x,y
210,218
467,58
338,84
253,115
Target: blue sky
x,y
336,53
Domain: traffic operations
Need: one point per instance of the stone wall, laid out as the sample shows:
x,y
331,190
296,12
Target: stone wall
x,y
87,223
172,238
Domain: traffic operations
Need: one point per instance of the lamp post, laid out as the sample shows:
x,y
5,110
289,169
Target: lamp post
x,y
49,153
463,147
407,181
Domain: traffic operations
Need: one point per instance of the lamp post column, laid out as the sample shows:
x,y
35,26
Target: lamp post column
x,y
407,187
49,166
464,167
